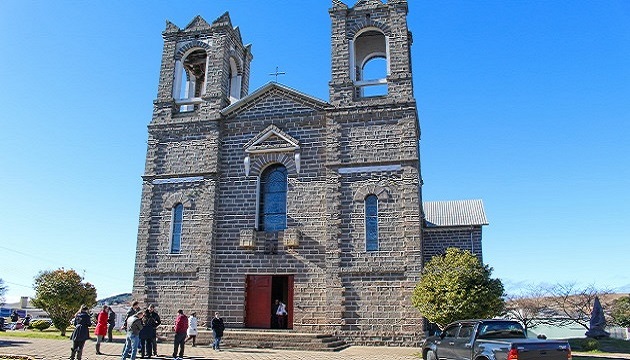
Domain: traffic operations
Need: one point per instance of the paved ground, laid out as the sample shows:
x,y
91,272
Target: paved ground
x,y
60,349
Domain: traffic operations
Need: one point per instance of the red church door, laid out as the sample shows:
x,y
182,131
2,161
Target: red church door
x,y
261,292
258,301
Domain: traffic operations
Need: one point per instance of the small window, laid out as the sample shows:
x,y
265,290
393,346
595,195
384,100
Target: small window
x,y
451,331
176,230
273,198
371,223
465,331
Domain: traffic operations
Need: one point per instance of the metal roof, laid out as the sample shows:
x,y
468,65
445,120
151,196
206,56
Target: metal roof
x,y
454,213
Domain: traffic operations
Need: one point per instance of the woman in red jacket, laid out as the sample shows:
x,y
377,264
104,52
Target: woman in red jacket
x,y
101,328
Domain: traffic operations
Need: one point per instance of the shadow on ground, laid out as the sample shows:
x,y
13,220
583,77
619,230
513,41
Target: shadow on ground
x,y
11,342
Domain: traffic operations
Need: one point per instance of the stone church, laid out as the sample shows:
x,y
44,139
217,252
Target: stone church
x,y
275,194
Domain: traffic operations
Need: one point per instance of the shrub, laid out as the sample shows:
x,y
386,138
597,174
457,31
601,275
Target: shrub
x,y
40,325
589,344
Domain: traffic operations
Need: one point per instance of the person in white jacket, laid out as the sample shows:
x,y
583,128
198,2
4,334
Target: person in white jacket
x,y
192,328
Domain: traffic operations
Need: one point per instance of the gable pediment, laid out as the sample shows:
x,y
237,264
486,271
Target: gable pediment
x,y
273,92
271,139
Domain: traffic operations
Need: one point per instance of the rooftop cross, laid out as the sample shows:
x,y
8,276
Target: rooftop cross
x,y
277,73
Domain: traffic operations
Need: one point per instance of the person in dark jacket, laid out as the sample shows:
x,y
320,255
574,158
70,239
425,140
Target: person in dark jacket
x,y
26,321
111,322
135,307
134,326
81,333
14,316
147,334
181,325
217,327
157,322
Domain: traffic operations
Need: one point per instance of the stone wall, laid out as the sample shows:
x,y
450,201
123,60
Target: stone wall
x,y
346,150
437,240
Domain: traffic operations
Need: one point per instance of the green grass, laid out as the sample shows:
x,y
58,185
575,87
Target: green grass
x,y
605,346
51,333
36,334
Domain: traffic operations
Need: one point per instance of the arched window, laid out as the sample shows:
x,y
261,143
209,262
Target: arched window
x,y
371,223
370,62
273,198
190,78
176,228
234,82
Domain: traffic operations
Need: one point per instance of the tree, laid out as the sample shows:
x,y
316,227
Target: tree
x,y
620,311
457,286
3,290
531,308
61,293
575,305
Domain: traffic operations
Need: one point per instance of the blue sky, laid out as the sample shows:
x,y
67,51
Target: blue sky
x,y
524,104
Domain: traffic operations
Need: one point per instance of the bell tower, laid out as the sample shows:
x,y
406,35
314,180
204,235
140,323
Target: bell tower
x,y
205,67
371,55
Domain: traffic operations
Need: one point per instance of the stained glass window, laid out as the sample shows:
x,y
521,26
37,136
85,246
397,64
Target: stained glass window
x,y
371,223
273,198
178,220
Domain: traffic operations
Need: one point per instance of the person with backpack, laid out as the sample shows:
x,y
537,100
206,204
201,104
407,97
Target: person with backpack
x,y
132,340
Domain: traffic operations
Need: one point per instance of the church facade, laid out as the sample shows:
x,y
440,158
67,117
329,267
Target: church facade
x,y
249,198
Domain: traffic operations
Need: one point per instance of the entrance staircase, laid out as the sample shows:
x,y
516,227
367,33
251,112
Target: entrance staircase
x,y
269,339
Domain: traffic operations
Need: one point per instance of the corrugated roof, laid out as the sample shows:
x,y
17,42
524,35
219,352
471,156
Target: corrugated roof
x,y
454,213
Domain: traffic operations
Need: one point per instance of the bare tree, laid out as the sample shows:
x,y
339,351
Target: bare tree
x,y
574,304
531,307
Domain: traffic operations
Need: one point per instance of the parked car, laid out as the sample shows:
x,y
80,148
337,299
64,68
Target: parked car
x,y
491,340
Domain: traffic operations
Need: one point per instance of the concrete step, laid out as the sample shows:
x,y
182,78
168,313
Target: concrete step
x,y
271,339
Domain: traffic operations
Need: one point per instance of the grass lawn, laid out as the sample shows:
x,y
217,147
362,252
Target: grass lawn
x,y
46,334
601,346
51,333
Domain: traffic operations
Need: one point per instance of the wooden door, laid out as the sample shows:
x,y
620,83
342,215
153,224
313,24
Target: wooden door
x,y
258,301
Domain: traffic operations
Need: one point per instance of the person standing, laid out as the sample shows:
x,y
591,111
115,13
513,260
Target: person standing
x,y
81,333
111,322
135,307
133,326
156,322
147,334
181,326
281,314
14,316
192,328
26,321
217,325
101,328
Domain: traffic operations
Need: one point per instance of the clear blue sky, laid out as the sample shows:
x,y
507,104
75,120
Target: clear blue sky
x,y
524,104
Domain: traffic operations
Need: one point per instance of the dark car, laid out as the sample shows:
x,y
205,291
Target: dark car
x,y
491,340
